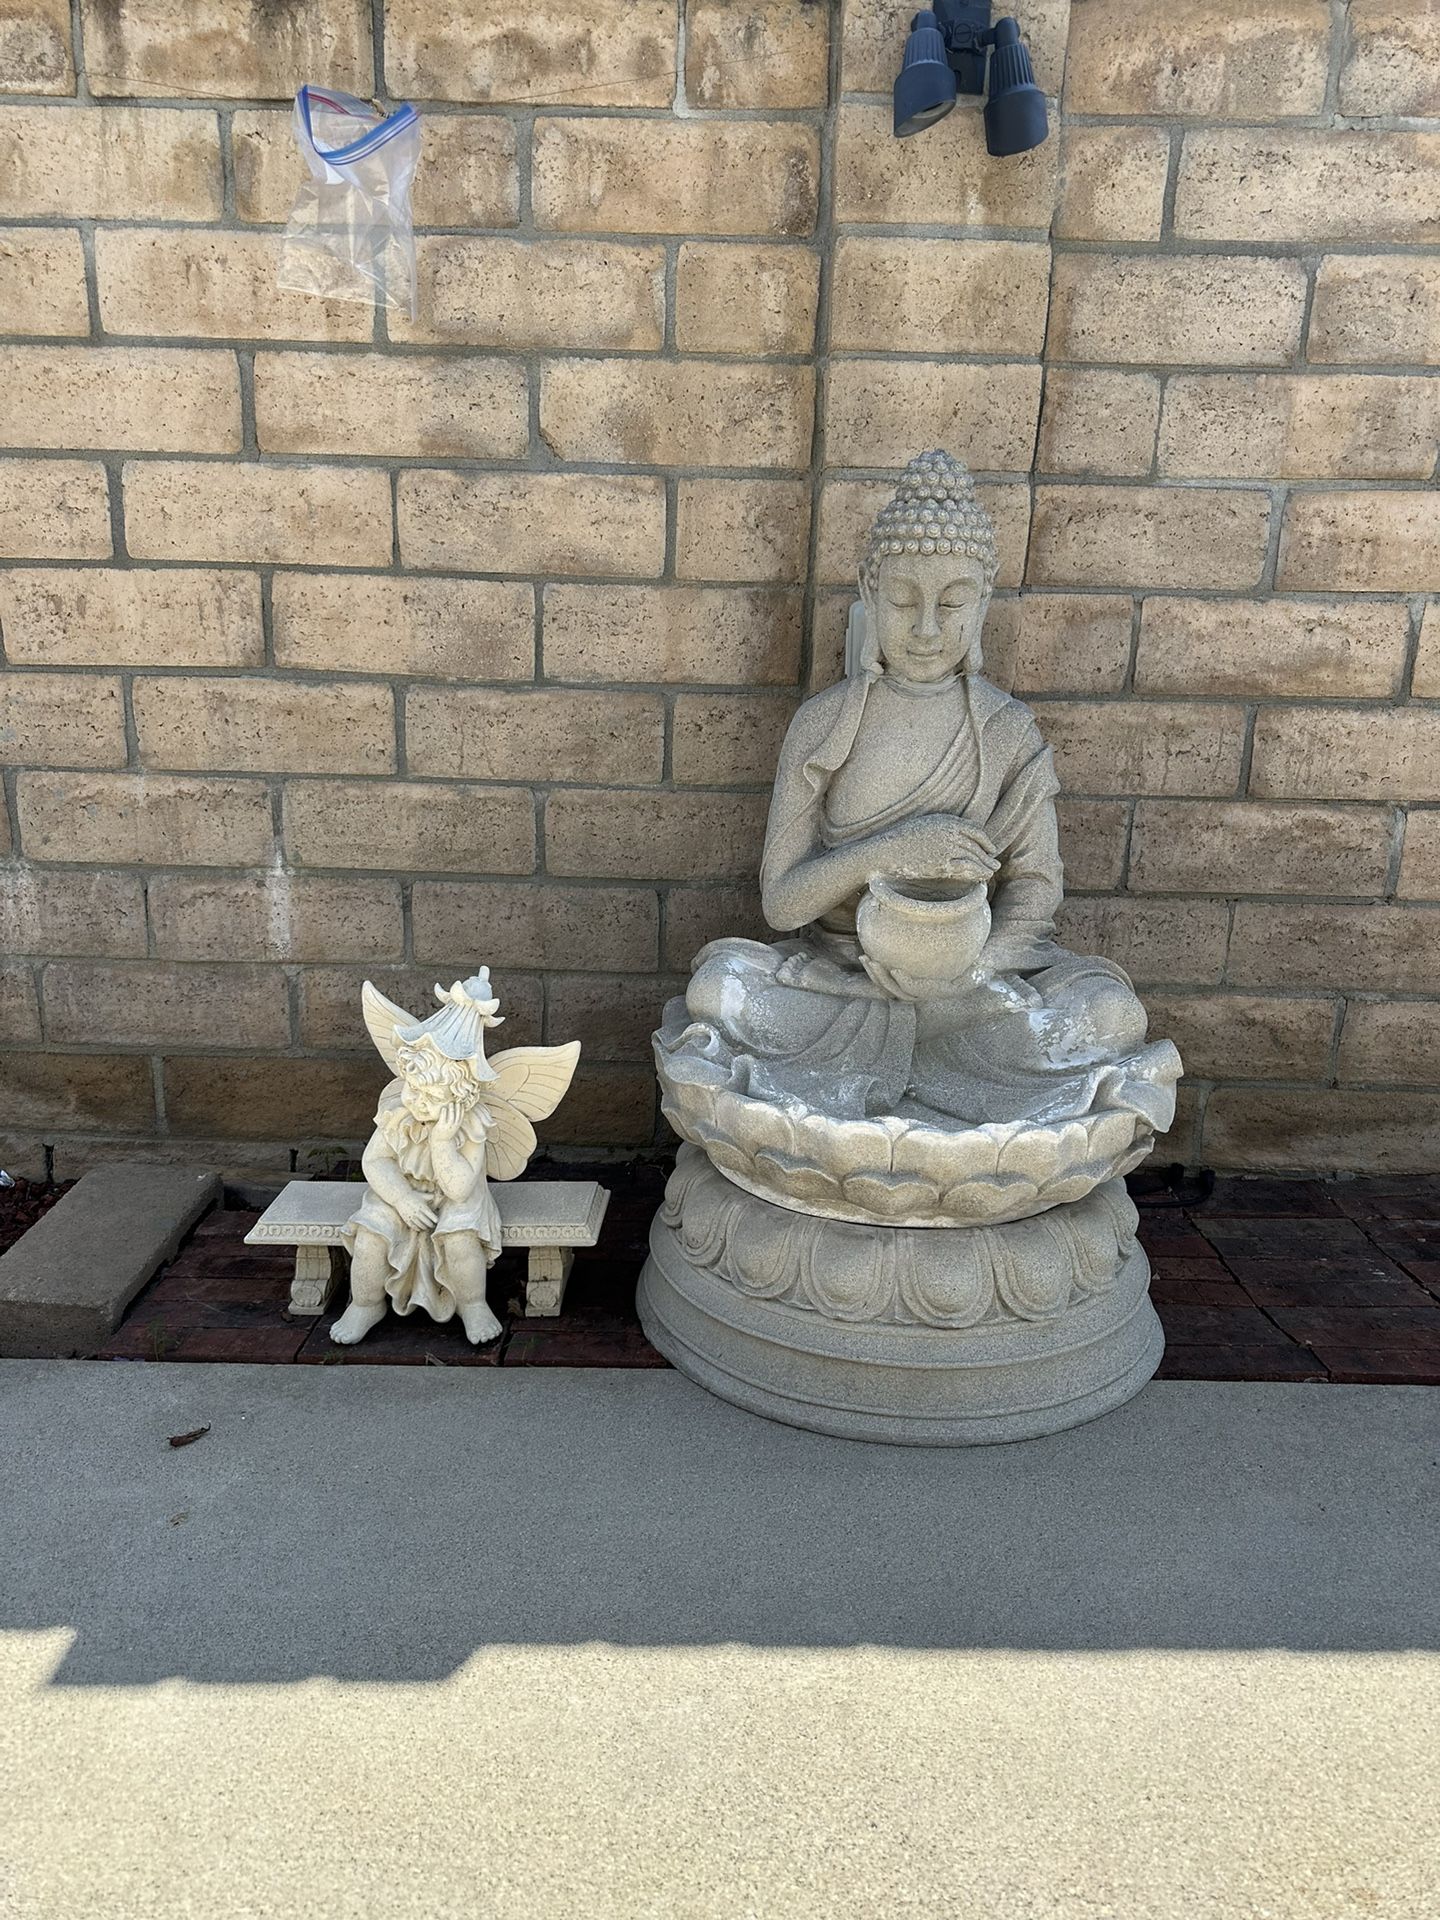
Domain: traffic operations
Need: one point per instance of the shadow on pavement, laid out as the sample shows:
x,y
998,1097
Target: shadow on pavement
x,y
382,1524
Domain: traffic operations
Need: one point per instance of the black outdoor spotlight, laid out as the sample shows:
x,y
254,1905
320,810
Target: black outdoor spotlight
x,y
945,56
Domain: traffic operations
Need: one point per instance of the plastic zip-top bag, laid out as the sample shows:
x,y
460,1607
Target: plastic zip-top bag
x,y
350,235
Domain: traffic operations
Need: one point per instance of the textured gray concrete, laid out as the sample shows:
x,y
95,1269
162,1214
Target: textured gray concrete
x,y
521,1644
65,1284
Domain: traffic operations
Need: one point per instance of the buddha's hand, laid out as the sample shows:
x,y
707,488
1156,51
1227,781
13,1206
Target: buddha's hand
x,y
940,846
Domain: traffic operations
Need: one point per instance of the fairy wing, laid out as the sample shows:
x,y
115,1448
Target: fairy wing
x,y
529,1083
382,1017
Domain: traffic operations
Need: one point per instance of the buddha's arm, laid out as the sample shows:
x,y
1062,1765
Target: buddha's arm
x,y
1028,892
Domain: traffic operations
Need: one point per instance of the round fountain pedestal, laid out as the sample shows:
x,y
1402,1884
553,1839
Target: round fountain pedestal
x,y
921,1336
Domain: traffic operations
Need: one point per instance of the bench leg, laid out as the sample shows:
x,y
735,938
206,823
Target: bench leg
x,y
545,1279
316,1271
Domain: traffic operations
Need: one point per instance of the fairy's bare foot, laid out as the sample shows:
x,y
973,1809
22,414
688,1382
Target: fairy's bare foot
x,y
479,1323
356,1322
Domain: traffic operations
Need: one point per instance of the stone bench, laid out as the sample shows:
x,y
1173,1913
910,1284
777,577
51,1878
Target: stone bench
x,y
549,1217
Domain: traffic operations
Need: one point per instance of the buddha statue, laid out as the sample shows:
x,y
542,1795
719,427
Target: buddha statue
x,y
915,1051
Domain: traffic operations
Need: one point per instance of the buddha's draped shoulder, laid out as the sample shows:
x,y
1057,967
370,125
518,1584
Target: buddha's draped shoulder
x,y
1015,772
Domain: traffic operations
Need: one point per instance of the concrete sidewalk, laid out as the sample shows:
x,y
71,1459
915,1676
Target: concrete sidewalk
x,y
394,1642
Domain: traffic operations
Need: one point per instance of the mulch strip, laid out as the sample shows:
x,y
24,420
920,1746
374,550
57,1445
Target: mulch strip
x,y
1253,1279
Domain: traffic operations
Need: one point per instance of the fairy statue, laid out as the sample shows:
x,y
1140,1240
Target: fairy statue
x,y
428,1231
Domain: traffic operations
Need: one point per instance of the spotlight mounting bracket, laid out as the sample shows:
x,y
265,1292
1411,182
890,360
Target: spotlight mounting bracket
x,y
966,27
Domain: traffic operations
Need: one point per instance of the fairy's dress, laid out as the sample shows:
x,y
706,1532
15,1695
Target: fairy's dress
x,y
418,1256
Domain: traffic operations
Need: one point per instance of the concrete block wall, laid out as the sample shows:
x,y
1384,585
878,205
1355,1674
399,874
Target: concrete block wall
x,y
338,645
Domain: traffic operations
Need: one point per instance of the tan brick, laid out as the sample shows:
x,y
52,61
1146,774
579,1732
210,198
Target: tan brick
x,y
536,925
54,509
1425,680
1420,861
61,913
745,530
848,509
42,279
275,916
109,163
225,49
331,1015
472,733
1098,422
723,636
829,621
1245,1036
1199,59
874,35
1347,753
187,510
1241,846
607,1106
723,740
61,720
1137,746
1092,842
1160,309
76,1092
948,177
917,296
1148,537
265,726
157,1004
678,412
676,176
694,916
417,406
734,298
138,617
1320,1130
1112,183
144,819
878,412
249,1161
652,836
271,1099
1390,1043
495,292
19,1004
617,1014
35,55
1180,1142
217,286
467,175
1058,643
618,53
1392,62
756,53
555,523
1279,185
1301,426
1381,308
172,401
1370,542
24,1156
1373,949
1321,649
1167,942
410,827
375,623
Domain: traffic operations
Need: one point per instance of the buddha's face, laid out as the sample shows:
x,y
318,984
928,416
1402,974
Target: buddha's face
x,y
928,609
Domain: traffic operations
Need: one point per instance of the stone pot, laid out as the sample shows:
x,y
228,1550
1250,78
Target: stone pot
x,y
924,930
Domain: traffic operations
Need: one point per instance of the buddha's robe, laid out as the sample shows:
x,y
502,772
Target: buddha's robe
x,y
1045,1036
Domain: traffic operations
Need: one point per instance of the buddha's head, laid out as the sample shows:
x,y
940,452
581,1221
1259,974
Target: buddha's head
x,y
927,571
